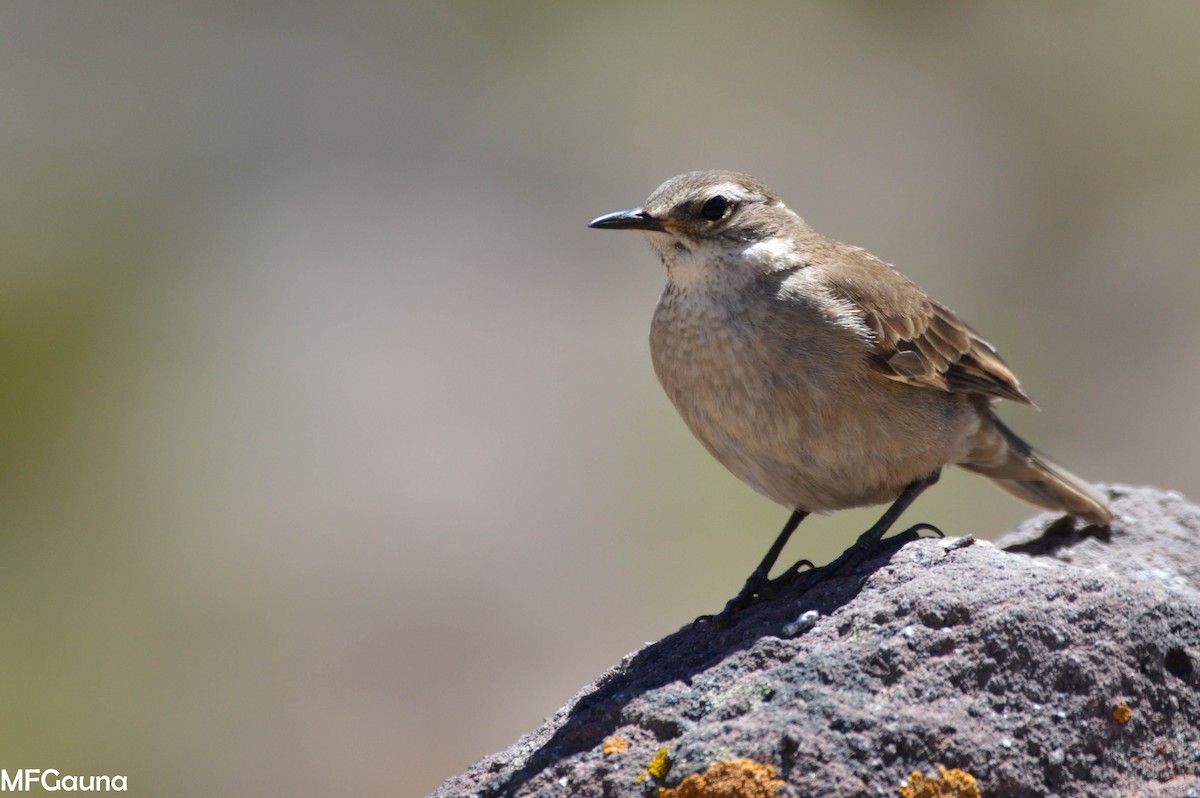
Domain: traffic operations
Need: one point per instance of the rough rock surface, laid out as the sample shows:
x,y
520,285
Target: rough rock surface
x,y
1015,663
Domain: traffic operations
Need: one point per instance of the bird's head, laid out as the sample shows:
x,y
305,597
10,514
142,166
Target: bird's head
x,y
705,223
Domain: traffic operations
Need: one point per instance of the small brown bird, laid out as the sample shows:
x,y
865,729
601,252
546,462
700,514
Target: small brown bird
x,y
817,373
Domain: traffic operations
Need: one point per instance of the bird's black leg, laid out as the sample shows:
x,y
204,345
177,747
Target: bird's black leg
x,y
869,540
759,581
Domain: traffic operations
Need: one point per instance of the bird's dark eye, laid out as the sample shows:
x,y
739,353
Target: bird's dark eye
x,y
714,208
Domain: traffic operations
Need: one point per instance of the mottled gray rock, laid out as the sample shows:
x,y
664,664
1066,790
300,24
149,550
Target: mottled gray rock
x,y
1011,665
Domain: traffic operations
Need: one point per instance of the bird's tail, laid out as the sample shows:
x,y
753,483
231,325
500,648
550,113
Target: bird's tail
x,y
1027,474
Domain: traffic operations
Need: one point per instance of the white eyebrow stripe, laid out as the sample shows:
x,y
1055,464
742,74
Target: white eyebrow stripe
x,y
731,191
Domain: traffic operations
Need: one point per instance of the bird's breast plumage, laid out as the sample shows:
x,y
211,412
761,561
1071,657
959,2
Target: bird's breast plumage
x,y
753,381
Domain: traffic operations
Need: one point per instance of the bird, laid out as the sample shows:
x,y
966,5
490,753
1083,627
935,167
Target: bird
x,y
820,375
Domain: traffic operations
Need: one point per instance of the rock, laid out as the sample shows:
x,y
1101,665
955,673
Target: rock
x,y
1056,662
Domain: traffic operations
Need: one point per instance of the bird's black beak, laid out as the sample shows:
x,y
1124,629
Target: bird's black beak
x,y
632,219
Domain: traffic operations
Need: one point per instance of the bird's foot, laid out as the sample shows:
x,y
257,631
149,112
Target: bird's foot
x,y
865,548
795,569
757,587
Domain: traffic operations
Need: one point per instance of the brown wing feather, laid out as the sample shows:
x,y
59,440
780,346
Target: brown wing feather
x,y
917,340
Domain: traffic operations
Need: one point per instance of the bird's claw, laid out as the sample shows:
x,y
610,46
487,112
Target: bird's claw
x,y
916,530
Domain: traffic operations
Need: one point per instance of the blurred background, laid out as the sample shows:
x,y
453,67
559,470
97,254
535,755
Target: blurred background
x,y
332,455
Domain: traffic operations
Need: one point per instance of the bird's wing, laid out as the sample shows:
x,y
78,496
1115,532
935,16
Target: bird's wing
x,y
917,340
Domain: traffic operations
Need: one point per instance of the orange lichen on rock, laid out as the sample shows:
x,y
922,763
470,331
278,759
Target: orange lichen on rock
x,y
733,778
951,784
1122,713
615,745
